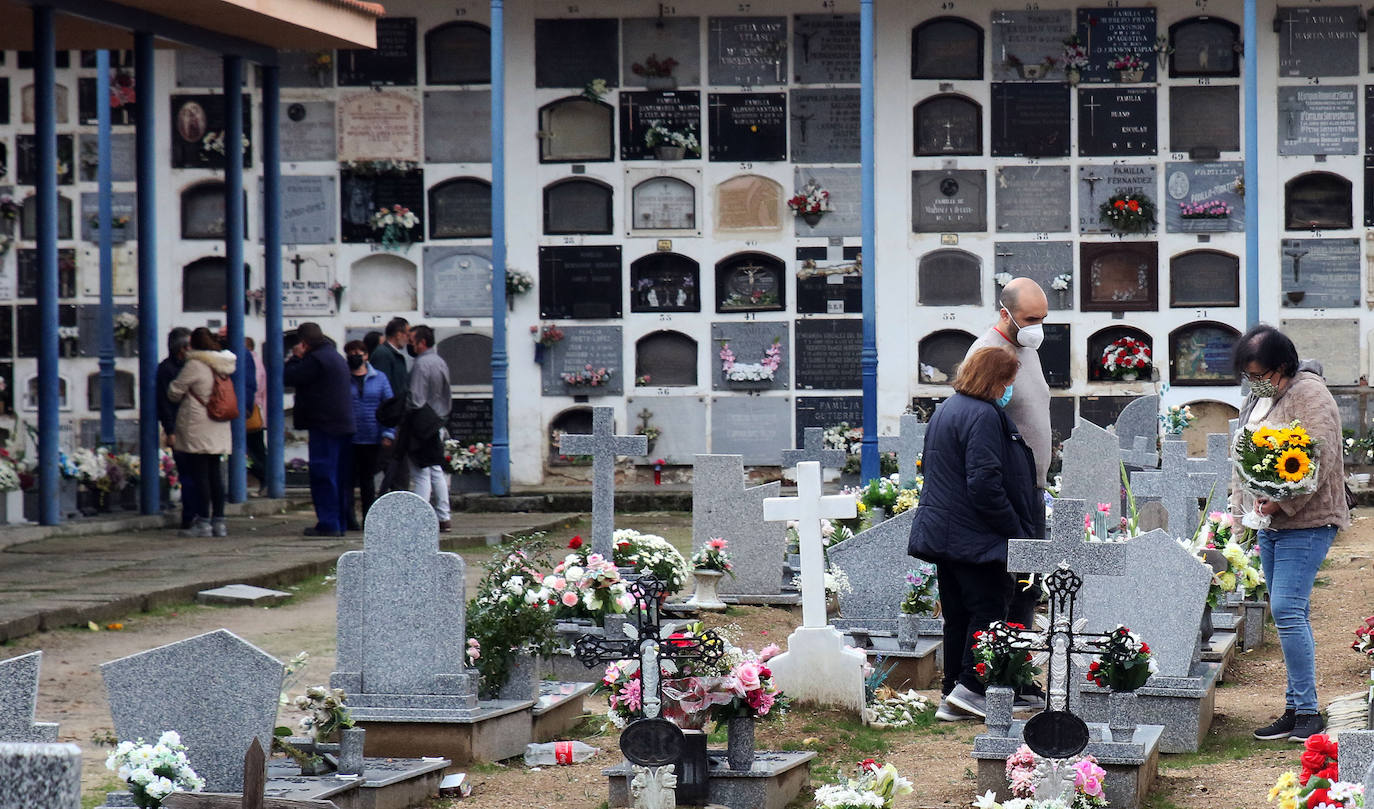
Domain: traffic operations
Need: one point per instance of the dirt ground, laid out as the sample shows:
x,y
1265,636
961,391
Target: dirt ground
x,y
1231,770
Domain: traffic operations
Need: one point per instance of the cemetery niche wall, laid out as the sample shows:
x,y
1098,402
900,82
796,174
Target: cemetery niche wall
x,y
576,130
460,208
666,359
1200,354
578,205
949,277
1119,276
947,48
663,204
940,354
948,124
382,282
1204,278
1318,200
468,357
458,53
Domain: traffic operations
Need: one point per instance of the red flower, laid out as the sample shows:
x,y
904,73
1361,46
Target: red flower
x,y
1331,773
1017,626
868,765
1318,797
1133,205
1028,657
1144,648
575,542
981,668
1313,760
1119,205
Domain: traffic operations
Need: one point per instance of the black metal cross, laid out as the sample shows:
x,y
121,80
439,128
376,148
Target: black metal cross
x,y
297,261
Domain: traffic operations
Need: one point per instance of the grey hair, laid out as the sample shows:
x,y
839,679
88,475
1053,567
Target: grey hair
x,y
177,340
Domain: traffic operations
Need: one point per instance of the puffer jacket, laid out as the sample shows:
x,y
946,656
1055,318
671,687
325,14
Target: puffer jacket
x,y
196,432
376,389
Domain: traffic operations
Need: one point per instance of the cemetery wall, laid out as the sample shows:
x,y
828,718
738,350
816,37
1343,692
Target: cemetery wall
x,y
988,162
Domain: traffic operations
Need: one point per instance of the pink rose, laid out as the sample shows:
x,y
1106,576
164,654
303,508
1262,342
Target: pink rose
x,y
717,543
761,701
569,598
747,674
769,652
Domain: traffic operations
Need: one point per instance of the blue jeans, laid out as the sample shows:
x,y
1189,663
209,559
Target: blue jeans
x,y
331,479
1291,559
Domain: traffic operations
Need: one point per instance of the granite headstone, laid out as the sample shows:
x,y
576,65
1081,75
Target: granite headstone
x,y
1319,41
748,342
307,130
1099,183
825,126
1044,262
458,126
825,48
604,446
676,38
1320,273
813,449
724,506
40,776
1318,120
18,700
756,428
1138,424
909,443
1026,44
876,562
681,421
949,201
1092,467
846,200
747,51
1328,341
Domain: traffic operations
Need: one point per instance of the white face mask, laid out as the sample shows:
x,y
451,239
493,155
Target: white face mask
x,y
1027,336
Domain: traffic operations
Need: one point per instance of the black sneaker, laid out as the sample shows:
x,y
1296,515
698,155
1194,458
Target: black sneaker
x,y
1032,697
1281,728
319,533
1307,724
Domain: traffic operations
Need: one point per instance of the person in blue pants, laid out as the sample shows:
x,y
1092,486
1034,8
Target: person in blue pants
x,y
324,409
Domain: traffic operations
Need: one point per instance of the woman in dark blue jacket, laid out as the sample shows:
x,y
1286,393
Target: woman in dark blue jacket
x,y
979,492
370,389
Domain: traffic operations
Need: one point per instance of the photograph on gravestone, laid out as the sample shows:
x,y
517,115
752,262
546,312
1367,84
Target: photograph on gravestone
x,y
747,127
678,111
1200,354
1028,45
826,412
749,344
1049,264
1056,355
26,273
122,160
308,213
1109,33
198,68
1025,199
1099,183
665,282
28,218
458,53
468,357
1318,41
305,285
746,51
1327,341
825,126
378,125
663,202
1119,277
457,281
62,104
948,124
457,126
949,201
749,202
665,359
577,205
758,428
647,45
123,99
1030,120
575,53
1320,273
392,62
580,282
470,419
751,282
198,127
597,346
827,353
307,130
825,49
939,355
365,192
1318,120
1204,46
576,130
1204,278
949,277
1204,197
28,159
1204,119
123,217
382,282
947,48
1099,342
829,280
305,68
460,209
1318,200
1117,121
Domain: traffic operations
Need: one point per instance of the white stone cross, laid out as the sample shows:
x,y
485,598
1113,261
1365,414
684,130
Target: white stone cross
x,y
813,449
808,508
909,443
604,445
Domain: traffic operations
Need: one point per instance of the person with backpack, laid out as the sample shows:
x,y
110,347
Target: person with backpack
x,y
324,409
205,390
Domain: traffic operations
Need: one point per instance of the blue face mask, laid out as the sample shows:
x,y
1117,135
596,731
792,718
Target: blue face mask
x,y
1006,397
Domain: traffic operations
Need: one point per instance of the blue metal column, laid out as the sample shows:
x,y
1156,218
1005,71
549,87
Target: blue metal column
x,y
45,133
233,257
500,395
271,351
146,151
1250,74
868,454
107,346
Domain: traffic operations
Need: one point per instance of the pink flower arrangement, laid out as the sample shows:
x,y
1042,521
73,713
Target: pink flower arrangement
x,y
1211,209
587,587
713,557
1087,777
751,688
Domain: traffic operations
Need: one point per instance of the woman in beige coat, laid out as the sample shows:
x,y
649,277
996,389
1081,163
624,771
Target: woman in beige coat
x,y
201,438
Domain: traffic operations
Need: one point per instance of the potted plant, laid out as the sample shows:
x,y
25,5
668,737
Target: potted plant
x,y
154,771
125,332
709,565
510,621
670,142
1126,359
1004,665
811,203
753,696
922,601
1129,68
393,226
658,74
1075,58
1129,212
1124,663
469,465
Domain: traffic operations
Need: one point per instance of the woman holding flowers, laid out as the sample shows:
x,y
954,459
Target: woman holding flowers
x,y
1293,496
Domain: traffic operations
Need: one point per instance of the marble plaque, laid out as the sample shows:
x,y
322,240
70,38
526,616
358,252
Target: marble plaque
x,y
597,346
1204,118
1030,120
580,281
63,105
1042,261
677,38
1318,120
123,209
949,201
306,278
122,158
828,353
574,52
1329,341
1117,122
392,62
846,200
948,124
307,131
825,49
1321,273
1204,278
1025,42
679,111
378,126
747,51
759,428
458,126
1109,32
1099,183
949,277
1319,40
826,412
457,281
749,202
663,203
1203,197
825,126
1024,197
747,127
681,421
308,213
748,342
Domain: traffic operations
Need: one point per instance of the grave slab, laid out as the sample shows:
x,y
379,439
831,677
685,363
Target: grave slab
x,y
1183,706
876,562
42,776
242,595
724,506
774,780
18,698
1131,767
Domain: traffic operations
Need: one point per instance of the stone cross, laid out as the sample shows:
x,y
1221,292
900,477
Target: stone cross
x,y
1066,546
723,506
18,698
1139,419
604,445
813,449
1217,467
40,776
1176,487
808,508
909,443
1092,467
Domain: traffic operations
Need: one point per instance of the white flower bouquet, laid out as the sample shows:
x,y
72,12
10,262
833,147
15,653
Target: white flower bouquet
x,y
462,458
125,326
650,553
154,771
394,225
661,134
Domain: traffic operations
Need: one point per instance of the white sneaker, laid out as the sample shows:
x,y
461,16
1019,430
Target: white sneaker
x,y
967,701
199,529
219,528
949,713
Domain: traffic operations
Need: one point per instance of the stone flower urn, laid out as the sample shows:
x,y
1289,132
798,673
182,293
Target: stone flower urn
x,y
669,152
705,597
739,742
1000,699
908,630
1123,714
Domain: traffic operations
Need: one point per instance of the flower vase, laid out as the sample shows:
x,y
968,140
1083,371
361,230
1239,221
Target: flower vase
x,y
658,477
68,348
694,766
876,515
660,83
669,152
124,347
351,751
1130,376
999,706
739,742
1131,76
1073,76
908,630
1207,627
705,597
1063,298
1123,713
812,218
522,679
12,507
338,300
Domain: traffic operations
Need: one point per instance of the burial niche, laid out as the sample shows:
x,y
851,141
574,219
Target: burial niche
x,y
123,391
1204,278
458,53
948,124
382,282
1097,347
750,282
203,285
573,421
666,359
949,278
1119,277
31,394
665,282
663,203
1318,200
940,354
202,211
1204,46
749,202
28,218
576,129
1200,354
947,48
577,205
460,209
468,357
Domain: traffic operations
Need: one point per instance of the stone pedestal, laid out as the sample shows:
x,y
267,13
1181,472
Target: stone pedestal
x,y
1181,705
1256,622
500,730
820,668
1223,649
916,666
774,780
558,709
1131,766
706,597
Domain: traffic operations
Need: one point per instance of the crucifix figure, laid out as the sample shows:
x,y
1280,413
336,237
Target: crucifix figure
x,y
1296,255
949,125
909,443
1092,181
813,449
604,445
296,262
1290,108
802,121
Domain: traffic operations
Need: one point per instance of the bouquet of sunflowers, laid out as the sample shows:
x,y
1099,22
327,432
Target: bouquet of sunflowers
x,y
1276,462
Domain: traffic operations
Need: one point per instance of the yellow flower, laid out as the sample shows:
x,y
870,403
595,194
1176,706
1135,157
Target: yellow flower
x,y
1296,437
1234,553
1227,580
1288,802
1266,437
1287,781
861,506
1293,465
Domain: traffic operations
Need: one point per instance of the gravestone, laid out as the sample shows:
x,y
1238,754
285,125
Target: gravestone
x,y
756,428
813,450
378,125
308,209
1318,200
1328,341
1030,120
908,444
751,282
458,126
458,53
947,48
40,776
1204,119
1056,356
875,561
1320,41
1213,468
746,51
682,427
665,282
1099,183
1042,262
576,52
202,211
307,130
18,700
1109,32
1203,197
1137,431
88,341
1320,273
724,506
217,690
677,110
1119,277
825,126
825,412
747,127
1356,754
122,159
467,355
949,201
27,276
664,203
382,283
1092,469
1117,122
577,206
197,120
749,202
828,353
1176,489
666,358
27,148
396,596
580,282
457,281
1020,199
604,446
1204,46
825,49
576,130
1204,278
470,419
305,287
948,124
677,38
597,346
1200,354
123,398
362,192
940,354
829,279
1318,120
1065,545
460,209
1032,39
748,341
392,62
846,200
62,103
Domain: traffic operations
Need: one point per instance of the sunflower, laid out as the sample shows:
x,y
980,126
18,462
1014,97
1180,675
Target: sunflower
x,y
1293,465
1267,437
1295,437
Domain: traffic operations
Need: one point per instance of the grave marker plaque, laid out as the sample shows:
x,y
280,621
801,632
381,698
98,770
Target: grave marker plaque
x,y
1327,340
1318,200
576,130
757,428
747,127
1321,273
748,342
362,194
749,202
458,53
1119,277
1056,355
750,282
1204,46
392,62
198,126
308,214
460,209
678,110
123,209
1024,41
1369,192
825,126
1202,197
1024,198
307,130
747,51
577,206
846,200
677,38
122,158
1116,121
1318,41
832,286
939,356
1318,120
202,211
682,424
580,282
666,359
1042,261
305,68
1200,354
665,282
457,281
378,126
828,353
949,277
28,218
948,124
949,201
29,326
1099,183
26,274
597,346
573,53
825,49
947,48
382,282
28,159
826,412
663,203
1204,118
1030,120
468,357
458,126
1110,32
88,111
305,286
1201,278
88,341
470,420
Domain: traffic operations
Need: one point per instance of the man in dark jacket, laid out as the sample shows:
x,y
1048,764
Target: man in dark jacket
x,y
178,345
324,409
393,359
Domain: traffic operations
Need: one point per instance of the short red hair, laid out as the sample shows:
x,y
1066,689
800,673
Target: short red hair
x,y
987,372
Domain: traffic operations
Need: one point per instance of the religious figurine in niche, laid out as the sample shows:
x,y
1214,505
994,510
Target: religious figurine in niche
x,y
192,122
665,292
752,286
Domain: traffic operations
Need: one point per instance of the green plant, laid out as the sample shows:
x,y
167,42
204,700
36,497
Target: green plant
x,y
1002,652
510,613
